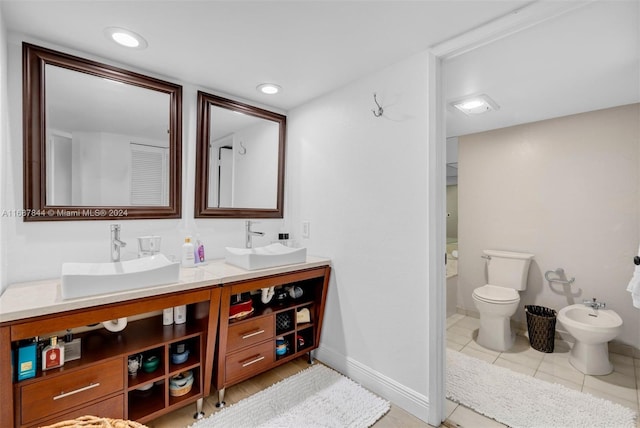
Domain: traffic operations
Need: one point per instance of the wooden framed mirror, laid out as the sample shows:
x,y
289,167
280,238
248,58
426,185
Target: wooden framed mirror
x,y
240,156
99,142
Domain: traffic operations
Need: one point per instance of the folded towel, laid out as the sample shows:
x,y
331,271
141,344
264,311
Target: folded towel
x,y
634,285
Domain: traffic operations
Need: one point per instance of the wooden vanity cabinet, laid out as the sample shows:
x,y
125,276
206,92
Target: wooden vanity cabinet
x,y
247,346
99,383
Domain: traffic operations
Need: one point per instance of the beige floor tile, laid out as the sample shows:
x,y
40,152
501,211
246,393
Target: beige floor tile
x,y
469,323
396,417
460,331
502,362
554,379
479,354
562,368
457,338
476,346
614,384
453,345
450,406
454,319
467,418
524,358
622,364
633,405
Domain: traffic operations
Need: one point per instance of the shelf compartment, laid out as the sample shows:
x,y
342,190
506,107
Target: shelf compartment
x,y
304,339
144,403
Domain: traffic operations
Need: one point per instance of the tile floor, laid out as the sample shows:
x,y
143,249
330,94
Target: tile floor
x,y
621,386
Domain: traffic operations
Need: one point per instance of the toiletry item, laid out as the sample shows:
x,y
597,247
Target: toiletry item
x,y
188,259
27,360
167,316
72,349
199,255
180,314
283,238
52,355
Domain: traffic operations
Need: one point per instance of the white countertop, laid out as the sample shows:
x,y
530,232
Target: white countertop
x,y
31,299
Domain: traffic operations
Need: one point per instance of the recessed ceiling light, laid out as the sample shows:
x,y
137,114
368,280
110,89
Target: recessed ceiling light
x,y
476,104
125,37
269,88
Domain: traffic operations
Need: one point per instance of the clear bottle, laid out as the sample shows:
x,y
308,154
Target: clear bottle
x,y
188,259
52,355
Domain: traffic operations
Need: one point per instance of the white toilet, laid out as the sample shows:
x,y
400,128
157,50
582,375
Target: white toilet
x,y
498,300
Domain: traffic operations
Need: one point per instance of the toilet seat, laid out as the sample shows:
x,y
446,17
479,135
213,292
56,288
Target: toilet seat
x,y
496,295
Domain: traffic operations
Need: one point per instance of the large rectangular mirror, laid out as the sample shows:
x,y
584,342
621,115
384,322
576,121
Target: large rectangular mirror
x,y
240,160
100,142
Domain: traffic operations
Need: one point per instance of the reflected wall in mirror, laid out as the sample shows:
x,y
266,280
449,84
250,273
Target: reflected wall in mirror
x,y
100,142
240,167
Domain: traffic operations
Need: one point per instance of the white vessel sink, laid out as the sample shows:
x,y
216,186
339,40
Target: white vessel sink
x,y
89,279
265,257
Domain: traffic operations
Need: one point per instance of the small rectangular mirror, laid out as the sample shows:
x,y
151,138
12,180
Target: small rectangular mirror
x,y
240,167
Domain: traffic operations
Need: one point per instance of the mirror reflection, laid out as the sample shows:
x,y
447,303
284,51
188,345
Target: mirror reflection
x,y
98,152
240,171
243,160
100,142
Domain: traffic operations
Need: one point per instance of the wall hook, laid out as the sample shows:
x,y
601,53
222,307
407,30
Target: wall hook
x,y
380,110
243,149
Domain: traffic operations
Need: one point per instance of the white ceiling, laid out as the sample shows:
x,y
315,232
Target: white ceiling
x,y
582,60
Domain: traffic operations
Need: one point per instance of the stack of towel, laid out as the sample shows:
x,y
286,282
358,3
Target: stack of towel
x,y
634,286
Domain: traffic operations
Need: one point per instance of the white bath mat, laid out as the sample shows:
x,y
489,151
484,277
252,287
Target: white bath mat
x,y
520,401
315,397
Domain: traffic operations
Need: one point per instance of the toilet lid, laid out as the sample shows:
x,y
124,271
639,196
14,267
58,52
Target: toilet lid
x,y
494,294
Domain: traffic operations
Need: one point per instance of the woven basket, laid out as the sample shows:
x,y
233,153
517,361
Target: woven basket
x,y
541,324
96,422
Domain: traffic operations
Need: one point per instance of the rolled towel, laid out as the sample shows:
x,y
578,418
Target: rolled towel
x,y
634,285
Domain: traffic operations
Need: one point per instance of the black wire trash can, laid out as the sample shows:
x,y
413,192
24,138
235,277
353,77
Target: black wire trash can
x,y
541,324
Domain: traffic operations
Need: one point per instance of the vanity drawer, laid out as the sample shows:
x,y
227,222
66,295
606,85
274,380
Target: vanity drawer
x,y
249,332
249,361
75,388
112,408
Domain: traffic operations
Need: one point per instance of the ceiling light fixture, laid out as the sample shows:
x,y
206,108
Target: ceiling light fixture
x,y
268,88
125,37
476,104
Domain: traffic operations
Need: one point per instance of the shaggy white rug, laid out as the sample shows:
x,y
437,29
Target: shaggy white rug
x,y
518,400
315,397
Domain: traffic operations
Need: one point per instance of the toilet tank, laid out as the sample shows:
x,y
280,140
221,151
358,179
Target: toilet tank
x,y
508,269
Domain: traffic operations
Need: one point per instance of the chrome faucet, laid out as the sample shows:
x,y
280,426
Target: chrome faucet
x,y
250,233
594,304
116,243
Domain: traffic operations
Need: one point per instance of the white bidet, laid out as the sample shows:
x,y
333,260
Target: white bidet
x,y
592,329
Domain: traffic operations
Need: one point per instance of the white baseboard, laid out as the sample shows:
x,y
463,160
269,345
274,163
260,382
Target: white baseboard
x,y
411,401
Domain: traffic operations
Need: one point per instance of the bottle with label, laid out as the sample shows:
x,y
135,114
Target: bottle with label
x,y
188,259
52,355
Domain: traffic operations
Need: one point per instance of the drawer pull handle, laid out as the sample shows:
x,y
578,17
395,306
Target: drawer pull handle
x,y
255,333
75,391
260,358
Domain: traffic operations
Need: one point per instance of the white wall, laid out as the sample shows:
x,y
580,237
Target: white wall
x,y
4,147
566,190
361,182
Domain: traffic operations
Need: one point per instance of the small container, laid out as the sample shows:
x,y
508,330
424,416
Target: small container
x,y
180,314
188,259
52,355
150,364
167,316
27,361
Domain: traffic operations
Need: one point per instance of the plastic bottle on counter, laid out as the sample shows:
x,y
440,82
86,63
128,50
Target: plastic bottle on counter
x,y
188,259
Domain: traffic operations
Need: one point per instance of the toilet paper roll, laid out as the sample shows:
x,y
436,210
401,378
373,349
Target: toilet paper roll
x,y
115,325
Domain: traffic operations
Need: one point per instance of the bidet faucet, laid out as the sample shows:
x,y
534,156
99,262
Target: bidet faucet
x,y
250,233
116,243
594,304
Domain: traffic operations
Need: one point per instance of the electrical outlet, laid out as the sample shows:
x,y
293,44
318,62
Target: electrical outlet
x,y
306,229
